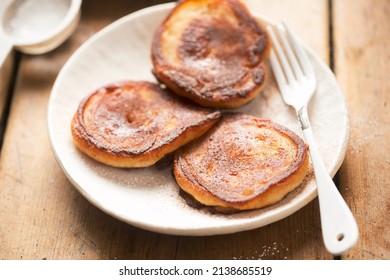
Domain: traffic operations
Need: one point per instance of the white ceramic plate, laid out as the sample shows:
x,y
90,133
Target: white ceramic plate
x,y
149,198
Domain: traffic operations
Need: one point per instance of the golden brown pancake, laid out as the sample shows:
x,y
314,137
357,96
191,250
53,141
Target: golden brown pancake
x,y
134,124
211,51
242,163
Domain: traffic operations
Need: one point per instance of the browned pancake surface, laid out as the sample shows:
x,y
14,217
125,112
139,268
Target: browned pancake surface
x,y
243,163
133,124
212,52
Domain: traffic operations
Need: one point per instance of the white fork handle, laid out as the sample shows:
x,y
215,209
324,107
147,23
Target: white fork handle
x,y
339,228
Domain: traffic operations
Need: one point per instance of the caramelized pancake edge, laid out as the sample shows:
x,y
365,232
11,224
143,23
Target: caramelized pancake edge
x,y
106,130
217,194
206,64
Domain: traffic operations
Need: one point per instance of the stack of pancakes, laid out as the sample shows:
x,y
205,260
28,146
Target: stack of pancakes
x,y
207,54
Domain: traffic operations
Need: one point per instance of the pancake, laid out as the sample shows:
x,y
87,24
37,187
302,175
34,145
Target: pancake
x,y
212,52
242,163
134,124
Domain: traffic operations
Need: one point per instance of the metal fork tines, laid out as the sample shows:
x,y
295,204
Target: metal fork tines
x,y
296,80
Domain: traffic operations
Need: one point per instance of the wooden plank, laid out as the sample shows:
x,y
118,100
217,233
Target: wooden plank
x,y
362,59
298,236
306,19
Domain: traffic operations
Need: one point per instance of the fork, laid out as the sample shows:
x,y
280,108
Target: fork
x,y
297,83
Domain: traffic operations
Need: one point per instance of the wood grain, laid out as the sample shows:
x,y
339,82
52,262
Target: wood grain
x,y
44,217
310,21
362,59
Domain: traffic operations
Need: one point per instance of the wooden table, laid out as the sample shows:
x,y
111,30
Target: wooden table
x,y
42,216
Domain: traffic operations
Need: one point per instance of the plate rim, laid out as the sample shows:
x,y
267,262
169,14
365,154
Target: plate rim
x,y
204,231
